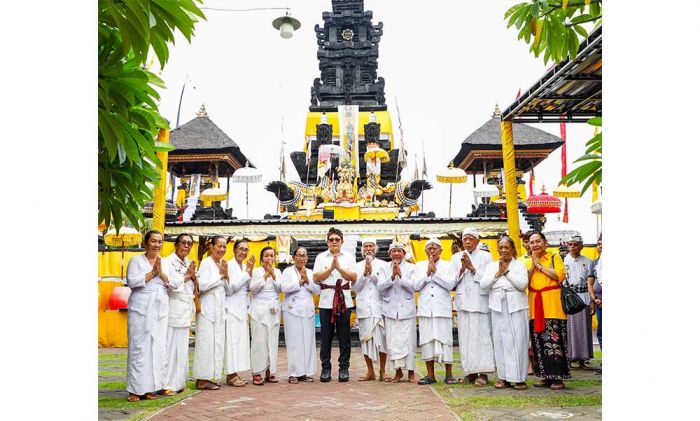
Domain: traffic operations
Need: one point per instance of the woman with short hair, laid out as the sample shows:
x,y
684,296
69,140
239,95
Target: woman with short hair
x,y
299,321
506,280
265,318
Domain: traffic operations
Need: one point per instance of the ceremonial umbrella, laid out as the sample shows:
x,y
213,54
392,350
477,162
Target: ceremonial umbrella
x,y
126,237
543,203
566,191
597,207
486,190
246,175
213,194
451,175
374,153
559,231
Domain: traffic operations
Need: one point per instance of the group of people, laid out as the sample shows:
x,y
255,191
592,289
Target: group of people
x,y
501,305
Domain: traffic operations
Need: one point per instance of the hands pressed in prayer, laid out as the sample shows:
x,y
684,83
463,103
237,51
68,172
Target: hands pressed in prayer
x,y
536,262
249,265
502,267
269,271
368,265
223,270
334,263
396,271
466,263
432,265
303,277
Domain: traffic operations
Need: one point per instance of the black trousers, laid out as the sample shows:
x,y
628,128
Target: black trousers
x,y
342,326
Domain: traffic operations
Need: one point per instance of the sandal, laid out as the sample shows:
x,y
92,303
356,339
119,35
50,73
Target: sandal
x,y
307,379
236,381
450,380
168,392
543,383
150,396
480,382
272,379
365,378
426,380
559,385
520,386
502,384
293,380
133,398
386,379
207,385
258,380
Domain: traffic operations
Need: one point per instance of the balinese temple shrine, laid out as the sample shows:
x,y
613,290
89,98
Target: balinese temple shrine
x,y
349,173
481,154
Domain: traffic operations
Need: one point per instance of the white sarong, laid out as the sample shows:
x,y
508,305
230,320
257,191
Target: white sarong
x,y
300,339
178,358
147,356
401,343
510,335
208,349
263,352
436,339
475,342
237,345
372,337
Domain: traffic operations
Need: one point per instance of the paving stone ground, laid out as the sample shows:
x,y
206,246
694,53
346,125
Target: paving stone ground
x,y
371,400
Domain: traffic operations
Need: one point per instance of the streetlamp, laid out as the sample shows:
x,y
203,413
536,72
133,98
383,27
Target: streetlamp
x,y
286,25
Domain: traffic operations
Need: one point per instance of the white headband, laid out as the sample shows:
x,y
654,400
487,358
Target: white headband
x,y
397,245
369,240
469,231
433,241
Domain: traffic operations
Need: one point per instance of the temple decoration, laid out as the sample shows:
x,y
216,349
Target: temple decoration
x,y
566,191
452,176
349,168
203,153
543,203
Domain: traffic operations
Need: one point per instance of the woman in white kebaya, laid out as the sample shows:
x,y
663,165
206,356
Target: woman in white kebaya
x,y
182,276
237,346
147,322
506,280
299,322
265,285
210,335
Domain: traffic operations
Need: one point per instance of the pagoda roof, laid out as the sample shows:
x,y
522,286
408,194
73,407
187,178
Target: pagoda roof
x,y
532,145
200,143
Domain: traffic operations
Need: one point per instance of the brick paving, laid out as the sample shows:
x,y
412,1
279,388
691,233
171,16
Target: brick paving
x,y
371,400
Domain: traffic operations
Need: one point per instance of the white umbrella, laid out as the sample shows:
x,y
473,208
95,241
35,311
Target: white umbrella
x,y
246,175
486,190
597,207
559,231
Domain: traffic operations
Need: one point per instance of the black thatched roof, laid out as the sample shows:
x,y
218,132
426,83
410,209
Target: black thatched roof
x,y
200,133
199,144
532,145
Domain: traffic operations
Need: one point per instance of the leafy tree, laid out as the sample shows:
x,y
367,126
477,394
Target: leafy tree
x,y
592,170
127,108
553,27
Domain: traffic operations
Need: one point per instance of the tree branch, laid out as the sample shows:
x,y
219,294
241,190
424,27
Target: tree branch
x,y
569,25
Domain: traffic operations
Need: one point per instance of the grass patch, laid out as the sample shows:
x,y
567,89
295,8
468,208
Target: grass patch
x,y
525,402
111,356
112,373
111,385
598,354
112,363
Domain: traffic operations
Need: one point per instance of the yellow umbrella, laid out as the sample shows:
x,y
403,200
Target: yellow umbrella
x,y
127,237
452,175
213,194
566,191
374,153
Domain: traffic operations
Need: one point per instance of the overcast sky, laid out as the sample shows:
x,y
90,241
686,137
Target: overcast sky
x,y
447,66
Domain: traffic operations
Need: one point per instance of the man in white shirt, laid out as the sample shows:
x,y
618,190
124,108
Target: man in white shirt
x,y
399,310
434,282
369,309
182,275
334,269
473,314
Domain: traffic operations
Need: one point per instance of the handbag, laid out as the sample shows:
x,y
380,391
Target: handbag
x,y
571,303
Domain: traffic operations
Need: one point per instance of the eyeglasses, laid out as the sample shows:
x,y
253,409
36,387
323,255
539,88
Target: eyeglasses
x,y
301,255
242,249
334,239
186,243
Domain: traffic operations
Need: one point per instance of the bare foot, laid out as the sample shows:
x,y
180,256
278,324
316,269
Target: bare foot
x,y
368,376
411,377
398,376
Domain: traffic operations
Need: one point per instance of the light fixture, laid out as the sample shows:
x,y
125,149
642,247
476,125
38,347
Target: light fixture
x,y
286,25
